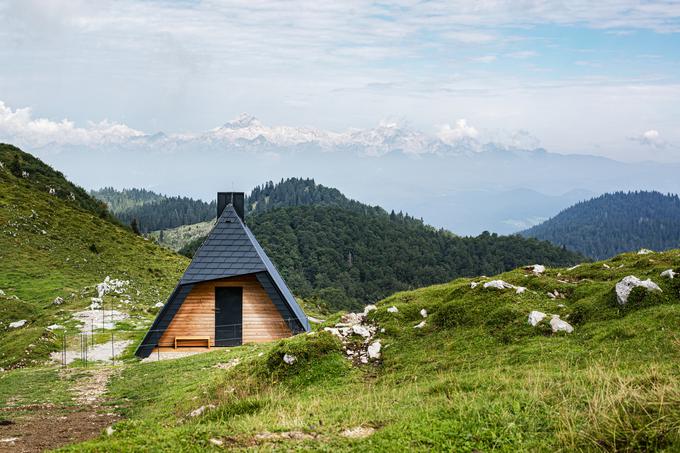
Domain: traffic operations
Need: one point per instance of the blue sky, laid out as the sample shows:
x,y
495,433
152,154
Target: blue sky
x,y
577,76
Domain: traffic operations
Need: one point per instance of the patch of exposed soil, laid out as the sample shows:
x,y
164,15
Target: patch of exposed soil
x,y
39,427
42,428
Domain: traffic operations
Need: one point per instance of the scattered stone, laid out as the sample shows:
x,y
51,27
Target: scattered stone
x,y
537,269
369,308
55,327
626,285
9,440
559,325
374,350
158,304
423,313
361,330
314,320
287,435
520,290
669,273
473,285
58,301
644,252
201,410
289,359
498,284
2,293
606,266
535,317
420,325
561,306
358,432
110,431
392,309
349,319
17,324
230,364
574,267
216,442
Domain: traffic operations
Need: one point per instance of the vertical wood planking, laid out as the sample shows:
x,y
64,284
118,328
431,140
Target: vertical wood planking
x,y
261,320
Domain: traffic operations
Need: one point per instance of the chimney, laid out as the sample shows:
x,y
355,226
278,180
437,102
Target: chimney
x,y
236,199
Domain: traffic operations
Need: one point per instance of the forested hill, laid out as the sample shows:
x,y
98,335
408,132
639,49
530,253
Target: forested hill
x,y
154,211
613,223
347,258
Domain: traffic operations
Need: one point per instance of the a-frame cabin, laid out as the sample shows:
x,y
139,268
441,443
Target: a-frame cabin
x,y
230,294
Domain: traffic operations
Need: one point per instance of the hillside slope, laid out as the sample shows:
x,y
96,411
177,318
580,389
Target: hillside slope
x,y
614,223
475,376
348,258
53,246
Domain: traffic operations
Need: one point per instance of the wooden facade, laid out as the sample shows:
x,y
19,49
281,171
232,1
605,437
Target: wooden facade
x,y
196,317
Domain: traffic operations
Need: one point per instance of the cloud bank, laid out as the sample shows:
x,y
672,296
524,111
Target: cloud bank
x,y
19,126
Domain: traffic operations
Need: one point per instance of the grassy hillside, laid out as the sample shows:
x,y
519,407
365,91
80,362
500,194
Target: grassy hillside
x,y
614,223
476,377
61,246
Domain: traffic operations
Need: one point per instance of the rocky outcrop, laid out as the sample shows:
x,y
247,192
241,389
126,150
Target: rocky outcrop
x,y
499,284
559,325
535,317
357,335
17,324
669,273
626,285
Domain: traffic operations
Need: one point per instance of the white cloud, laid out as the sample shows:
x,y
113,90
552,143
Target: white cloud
x,y
650,137
485,59
19,127
460,131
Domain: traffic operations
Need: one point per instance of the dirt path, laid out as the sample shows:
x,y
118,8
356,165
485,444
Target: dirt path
x,y
38,427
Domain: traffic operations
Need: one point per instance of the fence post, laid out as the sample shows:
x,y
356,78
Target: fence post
x,y
113,352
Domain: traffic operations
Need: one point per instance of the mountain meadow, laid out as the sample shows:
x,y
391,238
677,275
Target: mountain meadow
x,y
420,340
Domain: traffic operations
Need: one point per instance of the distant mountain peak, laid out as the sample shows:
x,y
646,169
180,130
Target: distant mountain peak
x,y
244,120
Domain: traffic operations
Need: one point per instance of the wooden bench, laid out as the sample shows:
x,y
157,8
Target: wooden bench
x,y
192,339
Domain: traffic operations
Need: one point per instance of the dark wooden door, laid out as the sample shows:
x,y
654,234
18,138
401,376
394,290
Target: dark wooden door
x,y
228,316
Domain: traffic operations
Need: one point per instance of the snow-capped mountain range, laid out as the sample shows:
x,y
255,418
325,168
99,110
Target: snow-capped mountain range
x,y
246,131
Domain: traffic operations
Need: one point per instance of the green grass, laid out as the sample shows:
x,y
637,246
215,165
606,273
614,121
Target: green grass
x,y
476,378
51,246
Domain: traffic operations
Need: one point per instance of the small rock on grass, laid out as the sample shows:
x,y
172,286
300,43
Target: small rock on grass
x,y
423,313
374,350
559,325
289,359
420,325
216,442
392,309
535,317
626,285
669,273
200,410
358,432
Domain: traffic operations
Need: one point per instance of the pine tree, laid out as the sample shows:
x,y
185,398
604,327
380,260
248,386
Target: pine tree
x,y
135,227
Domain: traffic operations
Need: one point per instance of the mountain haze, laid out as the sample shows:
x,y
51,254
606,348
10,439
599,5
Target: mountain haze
x,y
433,176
